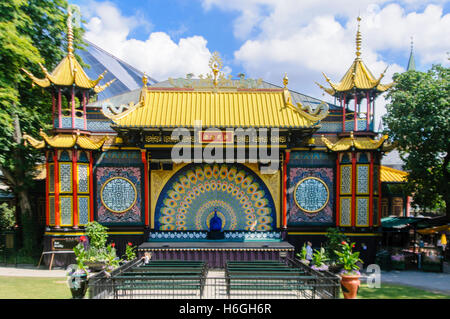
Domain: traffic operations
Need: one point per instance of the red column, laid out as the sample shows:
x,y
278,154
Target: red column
x,y
338,191
84,110
146,210
75,188
59,109
356,108
53,109
353,189
91,186
73,107
368,111
286,160
379,196
371,191
56,183
343,117
47,182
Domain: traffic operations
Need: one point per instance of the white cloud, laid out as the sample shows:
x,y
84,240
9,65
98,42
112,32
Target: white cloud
x,y
305,38
158,55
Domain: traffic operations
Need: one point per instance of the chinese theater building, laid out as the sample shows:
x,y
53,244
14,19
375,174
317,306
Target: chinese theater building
x,y
261,167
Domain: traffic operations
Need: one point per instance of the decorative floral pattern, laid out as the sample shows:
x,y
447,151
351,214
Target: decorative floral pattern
x,y
346,179
299,216
362,212
65,177
83,183
189,198
134,213
362,184
345,212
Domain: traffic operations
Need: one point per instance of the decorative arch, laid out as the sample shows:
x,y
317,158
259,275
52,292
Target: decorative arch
x,y
189,198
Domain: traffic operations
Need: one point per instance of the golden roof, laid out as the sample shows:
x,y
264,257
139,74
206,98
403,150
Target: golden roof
x,y
169,107
65,141
69,71
392,175
361,143
358,75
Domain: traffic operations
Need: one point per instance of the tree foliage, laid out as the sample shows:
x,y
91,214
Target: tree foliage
x,y
31,32
418,120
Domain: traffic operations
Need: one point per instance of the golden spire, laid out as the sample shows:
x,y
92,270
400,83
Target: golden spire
x,y
285,80
145,80
69,34
358,39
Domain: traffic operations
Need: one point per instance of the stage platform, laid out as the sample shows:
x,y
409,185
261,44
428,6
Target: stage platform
x,y
218,252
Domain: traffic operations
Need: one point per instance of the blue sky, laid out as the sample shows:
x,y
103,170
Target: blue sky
x,y
266,38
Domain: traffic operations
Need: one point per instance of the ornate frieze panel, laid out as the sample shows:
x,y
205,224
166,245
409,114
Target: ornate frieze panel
x,y
362,211
362,179
190,197
346,179
119,195
65,177
83,210
66,210
345,211
310,197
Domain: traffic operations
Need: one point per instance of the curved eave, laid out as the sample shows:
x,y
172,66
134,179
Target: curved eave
x,y
67,73
358,76
347,143
392,175
64,141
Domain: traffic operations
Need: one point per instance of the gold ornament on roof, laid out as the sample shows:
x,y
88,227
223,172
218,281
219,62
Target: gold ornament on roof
x,y
216,64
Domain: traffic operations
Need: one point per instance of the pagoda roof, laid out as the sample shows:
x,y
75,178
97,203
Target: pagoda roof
x,y
392,175
65,141
177,107
215,100
358,76
360,143
69,71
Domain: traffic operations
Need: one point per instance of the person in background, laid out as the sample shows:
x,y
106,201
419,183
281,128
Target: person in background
x,y
309,252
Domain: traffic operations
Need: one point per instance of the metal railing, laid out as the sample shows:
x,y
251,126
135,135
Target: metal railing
x,y
215,285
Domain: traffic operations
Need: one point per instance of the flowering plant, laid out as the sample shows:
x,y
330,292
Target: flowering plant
x,y
348,259
130,253
398,257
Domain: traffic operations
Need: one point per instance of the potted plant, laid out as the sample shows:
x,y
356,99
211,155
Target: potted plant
x,y
350,274
78,275
319,259
333,243
96,255
302,255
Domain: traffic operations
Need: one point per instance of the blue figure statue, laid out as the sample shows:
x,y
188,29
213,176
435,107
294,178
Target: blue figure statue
x,y
215,224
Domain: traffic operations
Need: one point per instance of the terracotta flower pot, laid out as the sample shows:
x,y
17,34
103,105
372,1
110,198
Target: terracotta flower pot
x,y
350,286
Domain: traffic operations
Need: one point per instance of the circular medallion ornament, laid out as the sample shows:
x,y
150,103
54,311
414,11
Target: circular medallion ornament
x,y
118,194
311,194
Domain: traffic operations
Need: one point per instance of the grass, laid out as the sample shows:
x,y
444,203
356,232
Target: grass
x,y
34,288
56,288
393,291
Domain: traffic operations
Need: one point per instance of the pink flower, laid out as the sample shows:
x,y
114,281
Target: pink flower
x,y
113,245
130,244
83,238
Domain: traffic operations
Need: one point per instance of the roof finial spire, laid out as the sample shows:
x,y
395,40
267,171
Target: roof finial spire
x,y
411,61
358,39
69,33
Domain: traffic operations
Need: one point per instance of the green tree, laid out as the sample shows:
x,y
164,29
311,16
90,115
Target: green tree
x,y
418,120
31,32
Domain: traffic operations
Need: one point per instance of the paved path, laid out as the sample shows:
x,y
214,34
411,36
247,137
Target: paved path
x,y
436,282
31,271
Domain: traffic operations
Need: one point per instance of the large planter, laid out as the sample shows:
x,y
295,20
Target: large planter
x,y
78,284
350,286
95,266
